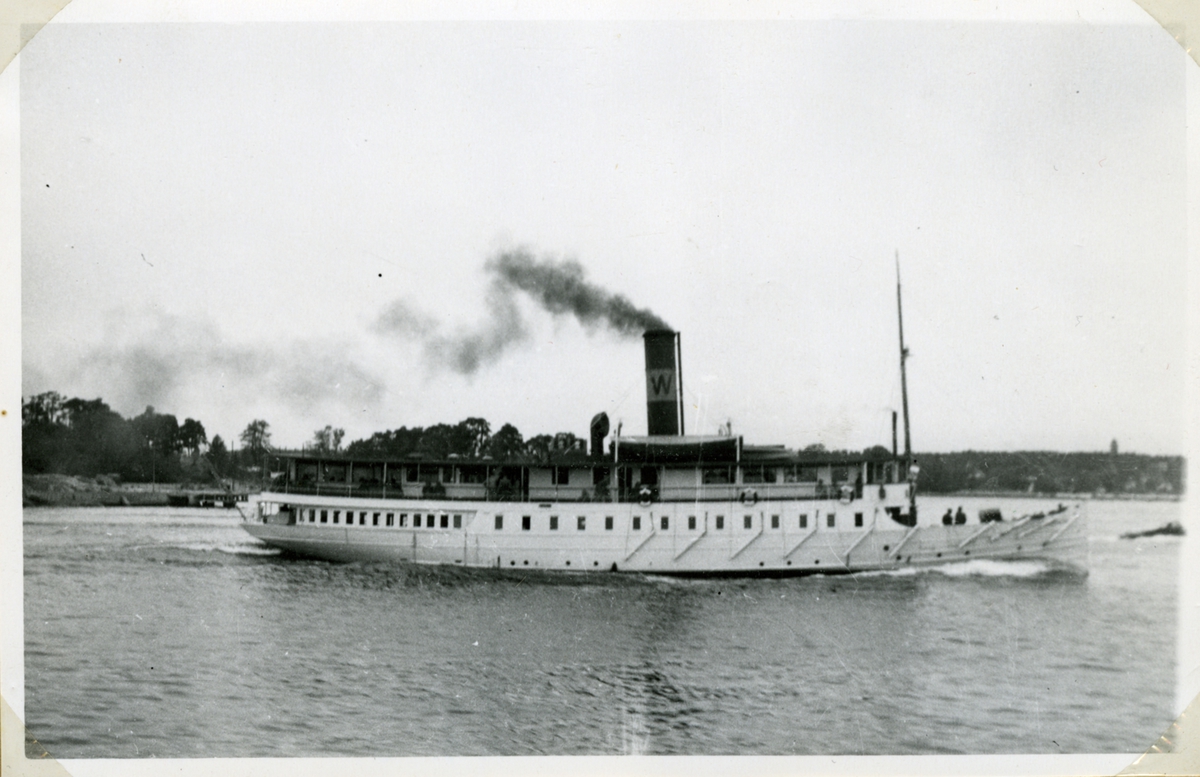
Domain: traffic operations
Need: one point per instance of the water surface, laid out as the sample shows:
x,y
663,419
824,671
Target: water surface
x,y
169,632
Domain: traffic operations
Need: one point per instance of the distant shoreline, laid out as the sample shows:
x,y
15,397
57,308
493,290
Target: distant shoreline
x,y
1064,495
75,491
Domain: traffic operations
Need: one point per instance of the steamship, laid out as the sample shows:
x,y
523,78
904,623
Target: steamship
x,y
664,504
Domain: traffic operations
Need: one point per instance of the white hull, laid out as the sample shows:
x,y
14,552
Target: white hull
x,y
766,538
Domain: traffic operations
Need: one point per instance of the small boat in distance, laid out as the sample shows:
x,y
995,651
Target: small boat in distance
x,y
1169,529
664,503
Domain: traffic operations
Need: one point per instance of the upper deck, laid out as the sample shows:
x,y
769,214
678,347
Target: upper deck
x,y
664,468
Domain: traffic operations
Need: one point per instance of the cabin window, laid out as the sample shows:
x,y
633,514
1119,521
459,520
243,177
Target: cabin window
x,y
560,476
858,519
472,474
336,515
798,473
403,519
717,475
416,520
664,523
324,516
499,522
429,521
803,520
312,516
445,521
600,476
774,521
758,474
720,522
375,519
388,519
410,473
830,520
608,523
691,522
580,523
637,523
526,522
554,523
458,521
747,521
362,519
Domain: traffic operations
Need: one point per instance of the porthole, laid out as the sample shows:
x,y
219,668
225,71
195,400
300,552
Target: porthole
x,y
789,563
595,563
966,552
817,561
512,563
939,555
886,548
760,563
526,562
568,563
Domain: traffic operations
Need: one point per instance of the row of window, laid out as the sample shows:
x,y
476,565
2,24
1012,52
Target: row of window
x,y
561,476
431,520
664,522
444,520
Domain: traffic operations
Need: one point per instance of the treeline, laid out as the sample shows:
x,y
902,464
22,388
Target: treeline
x,y
1044,472
86,437
471,438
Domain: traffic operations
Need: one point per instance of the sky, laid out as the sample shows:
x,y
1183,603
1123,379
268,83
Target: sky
x,y
302,222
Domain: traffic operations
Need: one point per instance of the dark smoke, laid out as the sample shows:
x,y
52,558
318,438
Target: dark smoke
x,y
562,289
558,287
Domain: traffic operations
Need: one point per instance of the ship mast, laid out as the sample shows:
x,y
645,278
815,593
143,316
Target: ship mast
x,y
908,456
903,358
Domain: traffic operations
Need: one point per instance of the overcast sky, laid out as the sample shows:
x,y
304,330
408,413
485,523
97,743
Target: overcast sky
x,y
218,220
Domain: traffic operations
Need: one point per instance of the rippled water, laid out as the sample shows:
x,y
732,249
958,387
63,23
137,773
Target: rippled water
x,y
170,632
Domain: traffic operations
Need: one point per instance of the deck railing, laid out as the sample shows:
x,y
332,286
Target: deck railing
x,y
478,492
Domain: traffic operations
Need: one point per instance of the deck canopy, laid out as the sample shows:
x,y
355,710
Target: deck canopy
x,y
677,450
778,454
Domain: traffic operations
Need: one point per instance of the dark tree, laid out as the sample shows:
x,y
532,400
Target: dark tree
x,y
100,441
328,440
565,441
218,455
192,436
471,437
256,438
44,410
538,448
45,437
437,442
506,444
395,444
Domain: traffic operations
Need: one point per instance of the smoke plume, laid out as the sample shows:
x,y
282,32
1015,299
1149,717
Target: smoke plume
x,y
560,288
164,360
